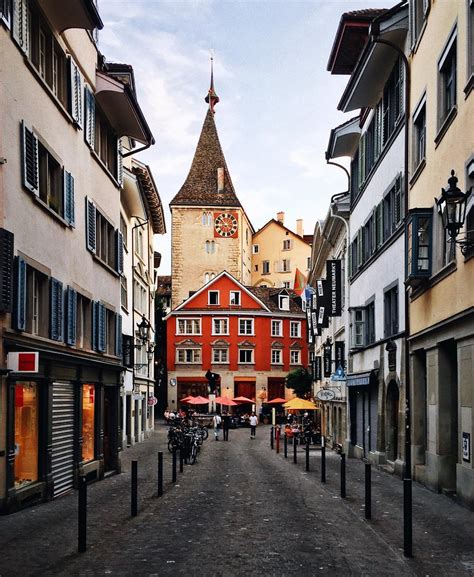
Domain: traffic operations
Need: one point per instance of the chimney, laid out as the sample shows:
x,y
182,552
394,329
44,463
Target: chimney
x,y
281,217
220,180
299,227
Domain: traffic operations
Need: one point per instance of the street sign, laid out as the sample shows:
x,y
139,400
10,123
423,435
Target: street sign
x,y
325,394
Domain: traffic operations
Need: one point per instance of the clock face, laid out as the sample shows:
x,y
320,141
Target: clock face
x,y
226,224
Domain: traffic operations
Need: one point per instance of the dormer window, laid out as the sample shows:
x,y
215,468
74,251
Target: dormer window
x,y
234,298
213,297
284,302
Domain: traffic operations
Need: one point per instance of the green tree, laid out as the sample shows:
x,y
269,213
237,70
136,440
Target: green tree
x,y
300,381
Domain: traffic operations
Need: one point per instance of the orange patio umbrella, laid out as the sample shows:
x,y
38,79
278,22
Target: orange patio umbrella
x,y
186,399
277,401
225,401
243,400
198,401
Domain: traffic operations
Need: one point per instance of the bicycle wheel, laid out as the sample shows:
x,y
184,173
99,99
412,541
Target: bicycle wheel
x,y
205,433
193,456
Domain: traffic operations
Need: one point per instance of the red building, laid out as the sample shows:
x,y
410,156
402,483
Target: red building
x,y
251,336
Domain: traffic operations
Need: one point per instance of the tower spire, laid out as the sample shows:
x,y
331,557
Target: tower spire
x,y
212,99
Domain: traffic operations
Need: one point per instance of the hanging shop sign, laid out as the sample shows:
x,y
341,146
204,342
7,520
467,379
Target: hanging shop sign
x,y
339,354
316,366
23,362
322,293
334,280
466,447
128,351
327,359
325,394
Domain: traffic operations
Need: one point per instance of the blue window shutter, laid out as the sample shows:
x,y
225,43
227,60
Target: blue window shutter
x,y
102,328
89,116
119,252
94,326
56,310
75,92
118,335
21,24
68,192
19,317
6,270
90,226
119,162
71,316
30,159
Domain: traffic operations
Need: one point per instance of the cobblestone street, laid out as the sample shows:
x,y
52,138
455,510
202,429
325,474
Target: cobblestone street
x,y
241,510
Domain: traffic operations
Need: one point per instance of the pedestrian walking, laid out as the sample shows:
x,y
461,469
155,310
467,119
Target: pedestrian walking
x,y
216,423
253,425
226,425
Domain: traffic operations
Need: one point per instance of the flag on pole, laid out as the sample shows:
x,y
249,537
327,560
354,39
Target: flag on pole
x,y
300,282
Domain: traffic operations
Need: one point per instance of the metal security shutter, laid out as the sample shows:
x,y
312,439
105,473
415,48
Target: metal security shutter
x,y
63,438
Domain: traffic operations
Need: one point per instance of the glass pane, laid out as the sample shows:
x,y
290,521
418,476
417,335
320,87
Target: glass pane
x,y
26,433
88,429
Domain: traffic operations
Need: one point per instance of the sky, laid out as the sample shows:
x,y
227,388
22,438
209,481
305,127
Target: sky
x,y
277,103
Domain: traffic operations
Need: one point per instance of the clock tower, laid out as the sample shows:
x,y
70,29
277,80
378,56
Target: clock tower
x,y
210,231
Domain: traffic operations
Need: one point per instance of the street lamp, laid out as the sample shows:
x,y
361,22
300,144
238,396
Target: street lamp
x,y
452,208
143,329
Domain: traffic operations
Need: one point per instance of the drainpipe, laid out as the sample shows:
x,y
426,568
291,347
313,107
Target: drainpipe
x,y
374,31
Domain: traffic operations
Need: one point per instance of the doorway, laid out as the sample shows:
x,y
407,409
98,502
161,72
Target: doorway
x,y
392,412
110,428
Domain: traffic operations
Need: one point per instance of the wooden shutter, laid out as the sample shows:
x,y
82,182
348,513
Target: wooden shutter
x,y
6,270
19,318
89,117
397,203
119,162
359,249
75,92
71,316
90,226
101,328
5,12
30,159
21,24
68,192
380,223
118,335
94,306
56,310
401,89
119,252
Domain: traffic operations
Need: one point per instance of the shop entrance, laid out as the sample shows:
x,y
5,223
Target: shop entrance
x,y
63,438
110,428
392,410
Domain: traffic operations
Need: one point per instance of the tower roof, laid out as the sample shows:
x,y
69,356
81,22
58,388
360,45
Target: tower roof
x,y
201,187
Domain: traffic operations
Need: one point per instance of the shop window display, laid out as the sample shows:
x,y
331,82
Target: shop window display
x,y
26,433
88,425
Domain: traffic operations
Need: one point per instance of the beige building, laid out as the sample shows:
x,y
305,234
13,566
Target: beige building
x,y
277,252
207,216
65,115
441,276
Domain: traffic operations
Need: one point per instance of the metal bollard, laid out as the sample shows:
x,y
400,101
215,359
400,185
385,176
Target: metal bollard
x,y
277,440
174,466
134,488
181,461
295,459
307,455
271,437
368,491
323,460
343,475
407,518
285,443
160,474
82,515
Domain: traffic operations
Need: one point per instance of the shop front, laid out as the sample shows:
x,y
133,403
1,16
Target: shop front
x,y
363,409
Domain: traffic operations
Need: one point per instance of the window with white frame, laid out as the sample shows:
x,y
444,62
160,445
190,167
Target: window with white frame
x,y
285,265
277,328
140,297
234,298
206,219
213,298
363,325
188,356
276,357
220,356
255,249
295,357
246,356
284,302
188,326
245,326
295,329
266,267
419,133
220,326
287,244
447,77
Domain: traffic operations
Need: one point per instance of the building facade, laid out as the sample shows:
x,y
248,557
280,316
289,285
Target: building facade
x,y
278,252
250,336
64,119
439,274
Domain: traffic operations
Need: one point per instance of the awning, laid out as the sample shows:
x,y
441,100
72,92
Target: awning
x,y
130,196
120,105
344,139
72,14
359,379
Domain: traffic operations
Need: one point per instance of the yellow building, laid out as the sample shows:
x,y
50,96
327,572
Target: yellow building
x,y
277,252
441,276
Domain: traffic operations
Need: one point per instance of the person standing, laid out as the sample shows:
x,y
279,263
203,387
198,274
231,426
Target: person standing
x,y
226,425
216,423
253,425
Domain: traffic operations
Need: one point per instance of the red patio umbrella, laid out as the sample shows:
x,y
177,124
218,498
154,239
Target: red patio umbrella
x,y
225,401
198,401
277,401
243,400
186,399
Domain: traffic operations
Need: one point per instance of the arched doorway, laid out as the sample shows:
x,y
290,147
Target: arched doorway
x,y
392,410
